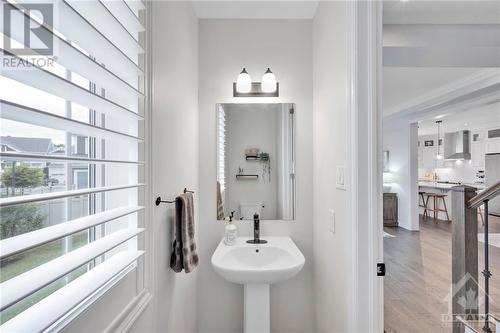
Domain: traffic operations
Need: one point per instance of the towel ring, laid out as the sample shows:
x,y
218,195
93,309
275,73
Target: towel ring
x,y
158,200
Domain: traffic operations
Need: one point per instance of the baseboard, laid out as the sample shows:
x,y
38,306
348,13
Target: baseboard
x,y
126,318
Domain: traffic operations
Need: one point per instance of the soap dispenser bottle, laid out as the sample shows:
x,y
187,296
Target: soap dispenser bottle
x,y
231,231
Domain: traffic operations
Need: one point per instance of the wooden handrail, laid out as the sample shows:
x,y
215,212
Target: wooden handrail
x,y
488,194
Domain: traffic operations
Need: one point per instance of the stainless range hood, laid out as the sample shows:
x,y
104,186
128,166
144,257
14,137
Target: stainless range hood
x,y
457,145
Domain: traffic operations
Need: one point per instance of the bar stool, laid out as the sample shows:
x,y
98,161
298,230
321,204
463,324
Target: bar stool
x,y
424,202
435,208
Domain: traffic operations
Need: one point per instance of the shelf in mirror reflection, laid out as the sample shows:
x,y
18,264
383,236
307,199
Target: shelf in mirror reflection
x,y
247,177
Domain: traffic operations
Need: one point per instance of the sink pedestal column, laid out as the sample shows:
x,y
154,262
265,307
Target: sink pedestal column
x,y
257,308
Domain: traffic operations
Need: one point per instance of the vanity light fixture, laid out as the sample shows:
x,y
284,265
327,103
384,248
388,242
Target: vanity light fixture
x,y
439,156
244,82
244,87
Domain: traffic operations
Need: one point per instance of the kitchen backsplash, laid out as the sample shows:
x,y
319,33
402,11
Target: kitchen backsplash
x,y
461,171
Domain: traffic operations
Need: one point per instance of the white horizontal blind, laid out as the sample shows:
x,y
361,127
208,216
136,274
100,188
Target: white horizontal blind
x,y
41,315
71,175
221,148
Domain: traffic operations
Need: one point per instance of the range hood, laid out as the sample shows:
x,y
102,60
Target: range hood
x,y
457,145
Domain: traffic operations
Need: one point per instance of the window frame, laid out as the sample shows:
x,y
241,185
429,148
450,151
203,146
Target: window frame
x,y
145,280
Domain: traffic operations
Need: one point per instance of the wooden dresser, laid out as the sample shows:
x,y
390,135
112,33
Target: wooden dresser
x,y
390,210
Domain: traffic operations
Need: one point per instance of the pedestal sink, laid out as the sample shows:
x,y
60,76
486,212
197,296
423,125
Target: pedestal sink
x,y
256,266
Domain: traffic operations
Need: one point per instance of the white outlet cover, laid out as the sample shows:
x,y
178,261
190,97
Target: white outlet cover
x,y
340,178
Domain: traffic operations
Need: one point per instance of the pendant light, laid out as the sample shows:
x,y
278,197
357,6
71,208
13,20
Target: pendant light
x,y
439,156
244,82
268,82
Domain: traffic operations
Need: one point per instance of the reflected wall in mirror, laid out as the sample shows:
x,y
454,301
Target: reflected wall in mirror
x,y
386,161
255,161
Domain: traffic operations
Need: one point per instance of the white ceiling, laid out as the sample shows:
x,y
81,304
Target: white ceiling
x,y
441,12
401,85
471,119
394,11
255,9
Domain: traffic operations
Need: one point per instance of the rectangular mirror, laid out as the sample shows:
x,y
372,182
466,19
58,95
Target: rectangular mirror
x,y
255,161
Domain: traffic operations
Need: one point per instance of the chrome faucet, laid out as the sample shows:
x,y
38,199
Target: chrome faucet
x,y
256,231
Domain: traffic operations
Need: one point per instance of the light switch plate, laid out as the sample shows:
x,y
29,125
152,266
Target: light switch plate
x,y
331,221
340,178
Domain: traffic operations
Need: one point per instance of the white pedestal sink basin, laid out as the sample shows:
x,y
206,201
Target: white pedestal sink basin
x,y
257,266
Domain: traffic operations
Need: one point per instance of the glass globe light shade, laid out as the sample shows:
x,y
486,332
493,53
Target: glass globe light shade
x,y
268,82
244,82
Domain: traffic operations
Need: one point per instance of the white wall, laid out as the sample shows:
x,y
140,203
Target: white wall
x,y
251,127
225,47
175,160
332,277
400,139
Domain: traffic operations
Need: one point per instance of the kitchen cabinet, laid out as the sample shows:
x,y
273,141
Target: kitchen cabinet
x,y
477,154
492,140
492,146
482,141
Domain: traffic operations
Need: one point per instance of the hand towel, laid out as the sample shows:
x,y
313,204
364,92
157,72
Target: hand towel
x,y
184,254
220,207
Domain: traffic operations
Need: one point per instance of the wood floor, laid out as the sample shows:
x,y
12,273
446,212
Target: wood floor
x,y
418,277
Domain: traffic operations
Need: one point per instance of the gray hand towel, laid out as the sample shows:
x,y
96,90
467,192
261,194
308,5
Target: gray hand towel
x,y
184,254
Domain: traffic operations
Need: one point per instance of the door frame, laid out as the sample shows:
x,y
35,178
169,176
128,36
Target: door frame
x,y
365,156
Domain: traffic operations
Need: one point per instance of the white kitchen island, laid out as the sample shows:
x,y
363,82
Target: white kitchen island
x,y
441,188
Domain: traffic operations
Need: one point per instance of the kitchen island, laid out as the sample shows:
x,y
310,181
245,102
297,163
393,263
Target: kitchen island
x,y
442,187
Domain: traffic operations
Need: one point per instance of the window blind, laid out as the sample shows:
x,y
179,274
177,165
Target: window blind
x,y
221,148
71,176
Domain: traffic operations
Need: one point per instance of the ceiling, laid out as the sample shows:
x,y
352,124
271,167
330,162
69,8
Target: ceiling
x,y
404,84
255,9
470,119
441,12
394,11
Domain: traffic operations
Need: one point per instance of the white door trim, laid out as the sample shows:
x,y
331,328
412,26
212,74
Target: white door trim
x,y
365,158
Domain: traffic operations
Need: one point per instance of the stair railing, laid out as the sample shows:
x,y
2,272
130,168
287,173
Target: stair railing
x,y
483,198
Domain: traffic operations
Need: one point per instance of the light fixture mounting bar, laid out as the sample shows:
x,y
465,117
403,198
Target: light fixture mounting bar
x,y
256,91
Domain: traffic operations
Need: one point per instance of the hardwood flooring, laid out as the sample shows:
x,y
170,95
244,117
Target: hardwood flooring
x,y
418,277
